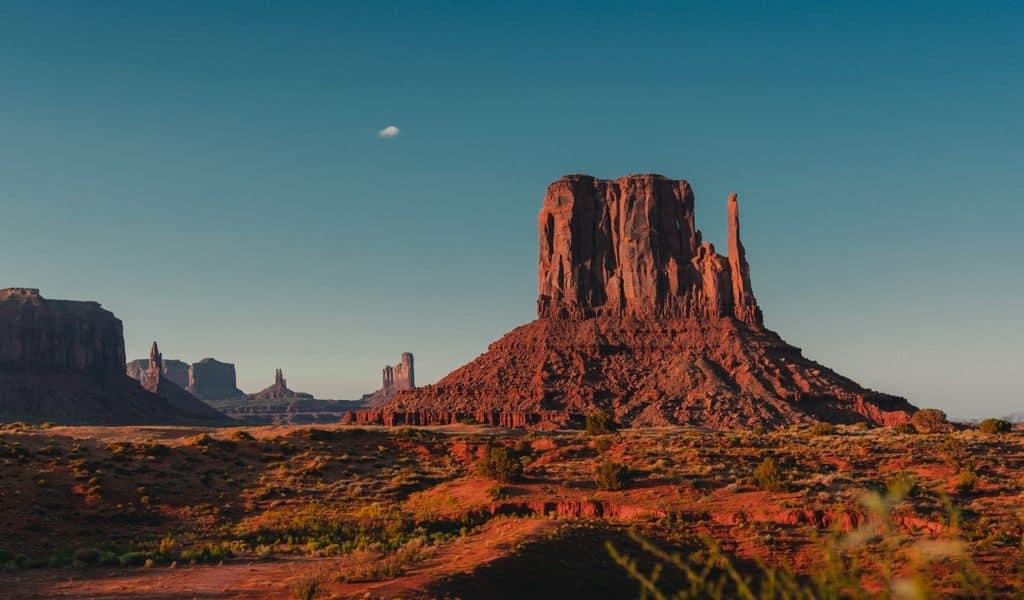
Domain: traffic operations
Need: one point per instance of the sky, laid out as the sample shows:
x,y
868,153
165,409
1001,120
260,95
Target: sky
x,y
322,186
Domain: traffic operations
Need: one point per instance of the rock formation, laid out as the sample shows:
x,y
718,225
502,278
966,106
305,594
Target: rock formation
x,y
278,391
394,379
638,315
63,334
213,380
209,380
175,370
63,361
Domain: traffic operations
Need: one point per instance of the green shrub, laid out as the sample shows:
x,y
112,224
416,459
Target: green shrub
x,y
768,476
601,423
500,463
905,429
87,557
929,420
5,557
133,559
611,476
207,553
995,426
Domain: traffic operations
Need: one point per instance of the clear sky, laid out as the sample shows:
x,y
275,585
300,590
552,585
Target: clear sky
x,y
212,172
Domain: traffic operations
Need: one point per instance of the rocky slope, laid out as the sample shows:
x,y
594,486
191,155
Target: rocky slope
x,y
639,315
63,361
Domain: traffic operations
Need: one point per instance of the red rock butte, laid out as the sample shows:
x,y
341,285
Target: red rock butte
x,y
639,315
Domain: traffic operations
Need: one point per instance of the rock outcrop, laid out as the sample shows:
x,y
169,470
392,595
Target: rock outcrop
x,y
630,248
213,381
209,380
278,390
175,370
63,361
639,315
154,381
62,334
394,379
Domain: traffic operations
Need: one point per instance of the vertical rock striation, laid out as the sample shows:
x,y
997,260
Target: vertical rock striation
x,y
630,248
63,361
394,379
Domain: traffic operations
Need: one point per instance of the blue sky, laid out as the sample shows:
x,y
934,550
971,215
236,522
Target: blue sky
x,y
212,173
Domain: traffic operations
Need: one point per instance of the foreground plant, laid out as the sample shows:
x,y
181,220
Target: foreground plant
x,y
898,569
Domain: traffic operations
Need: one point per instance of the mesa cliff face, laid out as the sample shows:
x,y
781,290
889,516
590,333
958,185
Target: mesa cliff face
x,y
629,248
63,361
637,314
394,379
63,334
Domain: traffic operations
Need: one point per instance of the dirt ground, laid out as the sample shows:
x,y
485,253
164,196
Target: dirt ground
x,y
259,512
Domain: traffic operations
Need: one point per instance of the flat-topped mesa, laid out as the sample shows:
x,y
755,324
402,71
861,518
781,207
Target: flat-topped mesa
x,y
629,248
77,335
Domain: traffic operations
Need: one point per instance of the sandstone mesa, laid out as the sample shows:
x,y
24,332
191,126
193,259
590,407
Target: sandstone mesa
x,y
639,315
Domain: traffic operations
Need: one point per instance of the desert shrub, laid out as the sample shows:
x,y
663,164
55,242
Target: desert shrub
x,y
768,476
929,420
611,476
498,492
500,463
966,480
207,553
901,485
603,443
601,423
904,429
845,571
5,556
306,588
323,435
995,426
20,561
823,429
133,559
242,436
371,565
87,557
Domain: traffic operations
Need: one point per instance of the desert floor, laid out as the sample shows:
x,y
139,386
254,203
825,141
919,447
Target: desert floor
x,y
262,512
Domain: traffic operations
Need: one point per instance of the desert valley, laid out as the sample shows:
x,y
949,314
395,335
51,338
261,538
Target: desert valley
x,y
646,435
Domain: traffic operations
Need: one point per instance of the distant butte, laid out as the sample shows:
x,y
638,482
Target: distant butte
x,y
63,361
638,315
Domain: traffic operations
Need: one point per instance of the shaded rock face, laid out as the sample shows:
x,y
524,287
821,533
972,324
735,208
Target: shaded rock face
x,y
212,380
209,379
629,248
393,380
174,370
63,361
278,391
59,333
640,316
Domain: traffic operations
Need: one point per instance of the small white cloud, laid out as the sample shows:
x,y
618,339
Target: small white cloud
x,y
388,132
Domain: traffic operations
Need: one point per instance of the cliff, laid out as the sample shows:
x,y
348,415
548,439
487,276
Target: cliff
x,y
393,380
639,315
63,361
63,334
630,248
